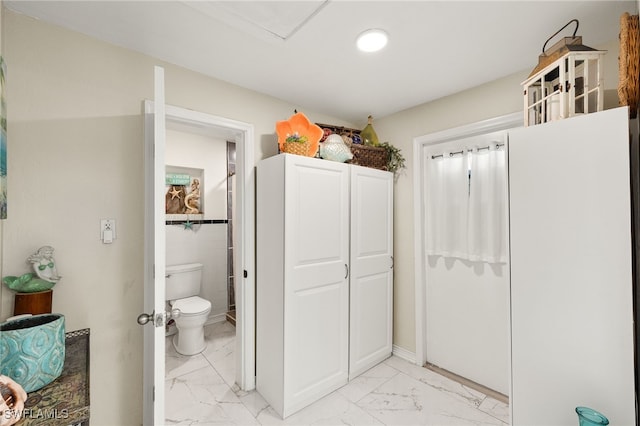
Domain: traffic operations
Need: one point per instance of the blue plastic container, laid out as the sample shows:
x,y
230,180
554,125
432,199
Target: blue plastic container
x,y
590,417
32,349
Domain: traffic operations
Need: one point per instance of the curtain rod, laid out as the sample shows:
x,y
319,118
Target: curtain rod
x,y
451,154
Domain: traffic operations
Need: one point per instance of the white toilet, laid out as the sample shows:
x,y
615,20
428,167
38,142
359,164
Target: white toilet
x,y
182,284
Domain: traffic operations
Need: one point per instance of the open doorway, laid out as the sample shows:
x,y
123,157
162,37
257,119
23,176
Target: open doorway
x,y
243,235
200,201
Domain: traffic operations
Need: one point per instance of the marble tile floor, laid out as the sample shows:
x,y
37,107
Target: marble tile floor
x,y
200,390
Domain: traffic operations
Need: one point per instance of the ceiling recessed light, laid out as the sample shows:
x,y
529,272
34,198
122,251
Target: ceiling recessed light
x,y
372,40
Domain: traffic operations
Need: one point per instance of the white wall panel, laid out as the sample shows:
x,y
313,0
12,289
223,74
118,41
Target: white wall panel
x,y
571,284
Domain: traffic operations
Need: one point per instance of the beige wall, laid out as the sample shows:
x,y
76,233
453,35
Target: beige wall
x,y
75,137
501,97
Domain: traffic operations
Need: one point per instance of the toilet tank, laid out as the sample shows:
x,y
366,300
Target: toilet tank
x,y
182,280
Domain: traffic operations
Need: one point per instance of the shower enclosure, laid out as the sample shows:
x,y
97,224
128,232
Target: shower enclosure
x,y
231,172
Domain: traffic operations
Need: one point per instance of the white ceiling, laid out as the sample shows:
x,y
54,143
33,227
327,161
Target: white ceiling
x,y
304,51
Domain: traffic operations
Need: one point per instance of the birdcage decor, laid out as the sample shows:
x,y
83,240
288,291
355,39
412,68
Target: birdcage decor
x,y
567,81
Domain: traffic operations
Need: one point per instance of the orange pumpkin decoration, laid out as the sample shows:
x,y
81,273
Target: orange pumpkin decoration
x,y
299,125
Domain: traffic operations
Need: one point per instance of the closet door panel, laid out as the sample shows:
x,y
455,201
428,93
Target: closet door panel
x,y
466,303
315,361
316,290
371,314
571,283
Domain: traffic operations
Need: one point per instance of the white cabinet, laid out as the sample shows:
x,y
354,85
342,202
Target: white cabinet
x,y
371,284
324,230
571,270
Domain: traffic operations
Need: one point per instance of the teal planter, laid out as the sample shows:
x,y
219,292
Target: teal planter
x,y
589,417
32,350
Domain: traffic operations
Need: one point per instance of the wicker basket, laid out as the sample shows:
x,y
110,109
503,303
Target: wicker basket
x,y
629,59
298,148
340,130
370,156
363,155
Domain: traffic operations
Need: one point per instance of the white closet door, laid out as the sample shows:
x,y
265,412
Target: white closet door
x,y
316,292
571,282
371,314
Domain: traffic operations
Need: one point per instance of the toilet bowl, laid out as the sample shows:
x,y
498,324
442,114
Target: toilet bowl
x,y
182,284
194,312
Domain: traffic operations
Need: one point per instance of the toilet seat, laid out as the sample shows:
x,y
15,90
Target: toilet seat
x,y
193,305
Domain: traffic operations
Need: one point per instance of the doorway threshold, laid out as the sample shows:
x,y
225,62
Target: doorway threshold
x,y
468,383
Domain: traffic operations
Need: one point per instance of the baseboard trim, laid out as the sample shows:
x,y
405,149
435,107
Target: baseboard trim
x,y
404,354
216,318
469,383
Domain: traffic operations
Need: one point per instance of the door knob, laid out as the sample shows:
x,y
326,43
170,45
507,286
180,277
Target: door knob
x,y
159,319
145,318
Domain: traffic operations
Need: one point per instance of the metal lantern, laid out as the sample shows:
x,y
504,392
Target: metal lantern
x,y
567,81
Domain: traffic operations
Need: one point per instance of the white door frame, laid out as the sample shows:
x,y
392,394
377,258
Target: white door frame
x,y
154,238
504,122
243,134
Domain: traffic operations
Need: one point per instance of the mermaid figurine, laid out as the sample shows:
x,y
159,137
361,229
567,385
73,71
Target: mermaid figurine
x,y
43,264
45,277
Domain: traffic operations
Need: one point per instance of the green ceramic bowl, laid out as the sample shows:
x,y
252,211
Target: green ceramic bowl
x,y
32,349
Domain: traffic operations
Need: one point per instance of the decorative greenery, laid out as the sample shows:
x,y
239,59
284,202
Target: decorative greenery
x,y
396,160
297,138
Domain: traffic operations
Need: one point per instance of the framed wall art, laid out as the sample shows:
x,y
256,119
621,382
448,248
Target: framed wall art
x,y
3,141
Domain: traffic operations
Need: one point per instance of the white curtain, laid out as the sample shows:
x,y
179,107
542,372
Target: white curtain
x,y
447,200
487,206
466,205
